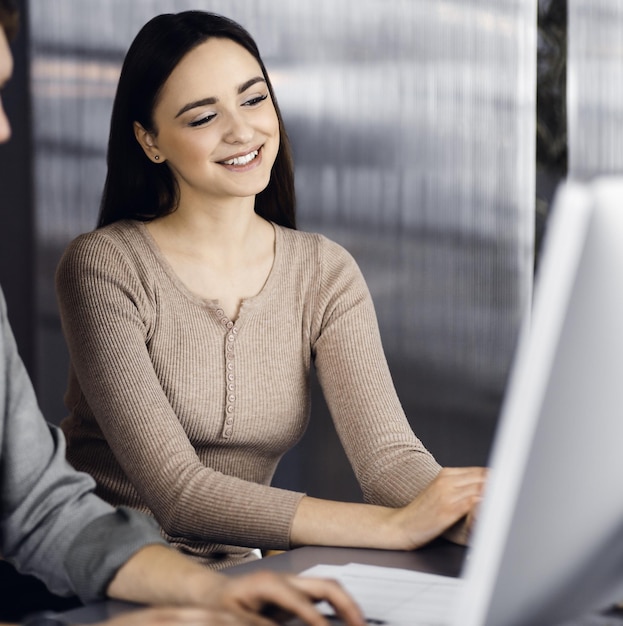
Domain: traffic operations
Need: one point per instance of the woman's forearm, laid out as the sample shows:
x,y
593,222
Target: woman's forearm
x,y
344,524
452,496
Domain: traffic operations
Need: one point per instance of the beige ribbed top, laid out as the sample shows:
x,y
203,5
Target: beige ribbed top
x,y
180,413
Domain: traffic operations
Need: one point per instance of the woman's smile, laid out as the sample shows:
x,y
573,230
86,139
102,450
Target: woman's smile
x,y
243,162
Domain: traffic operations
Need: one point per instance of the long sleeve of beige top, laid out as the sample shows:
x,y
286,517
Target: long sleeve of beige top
x,y
179,412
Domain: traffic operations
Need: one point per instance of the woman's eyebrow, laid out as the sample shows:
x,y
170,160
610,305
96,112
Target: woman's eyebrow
x,y
195,104
212,100
250,83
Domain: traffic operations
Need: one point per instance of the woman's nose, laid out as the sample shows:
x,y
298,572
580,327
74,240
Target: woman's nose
x,y
238,130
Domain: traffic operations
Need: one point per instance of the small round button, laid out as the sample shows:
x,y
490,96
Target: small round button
x,y
229,420
230,377
228,432
230,409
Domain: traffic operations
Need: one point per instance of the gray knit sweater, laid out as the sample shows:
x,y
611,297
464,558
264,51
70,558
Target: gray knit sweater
x,y
51,524
180,412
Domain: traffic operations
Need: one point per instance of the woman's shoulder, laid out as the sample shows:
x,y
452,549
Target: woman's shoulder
x,y
321,245
119,238
118,247
119,232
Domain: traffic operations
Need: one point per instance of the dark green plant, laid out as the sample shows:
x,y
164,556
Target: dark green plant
x,y
551,113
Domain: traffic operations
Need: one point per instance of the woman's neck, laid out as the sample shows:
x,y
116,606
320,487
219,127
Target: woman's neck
x,y
215,233
219,255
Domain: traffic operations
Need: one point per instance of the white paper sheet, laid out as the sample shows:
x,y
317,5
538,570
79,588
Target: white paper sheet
x,y
395,597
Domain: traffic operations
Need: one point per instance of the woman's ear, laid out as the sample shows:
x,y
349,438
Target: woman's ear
x,y
148,143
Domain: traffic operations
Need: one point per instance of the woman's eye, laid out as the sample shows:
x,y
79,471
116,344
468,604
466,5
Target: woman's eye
x,y
255,100
202,120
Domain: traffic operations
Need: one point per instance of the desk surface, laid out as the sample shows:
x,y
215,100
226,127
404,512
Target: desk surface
x,y
438,558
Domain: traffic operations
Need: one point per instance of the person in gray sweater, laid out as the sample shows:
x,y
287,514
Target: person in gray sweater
x,y
53,526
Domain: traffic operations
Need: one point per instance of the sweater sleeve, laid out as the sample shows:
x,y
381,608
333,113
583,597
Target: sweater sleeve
x,y
390,462
107,311
46,506
103,546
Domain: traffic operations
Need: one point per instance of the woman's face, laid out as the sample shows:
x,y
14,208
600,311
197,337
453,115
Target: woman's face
x,y
217,127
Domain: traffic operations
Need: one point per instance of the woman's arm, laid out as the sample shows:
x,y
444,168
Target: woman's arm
x,y
392,466
452,496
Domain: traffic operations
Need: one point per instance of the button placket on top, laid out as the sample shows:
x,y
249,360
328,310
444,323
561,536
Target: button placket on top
x,y
230,374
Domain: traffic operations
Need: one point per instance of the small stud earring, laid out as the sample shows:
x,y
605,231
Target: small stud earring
x,y
157,157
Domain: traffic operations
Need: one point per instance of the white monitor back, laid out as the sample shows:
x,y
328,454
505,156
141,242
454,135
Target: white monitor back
x,y
549,540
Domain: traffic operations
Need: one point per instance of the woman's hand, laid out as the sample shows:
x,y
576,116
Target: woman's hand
x,y
447,506
452,496
461,532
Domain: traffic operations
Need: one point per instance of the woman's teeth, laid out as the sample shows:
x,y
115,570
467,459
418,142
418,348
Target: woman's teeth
x,y
242,160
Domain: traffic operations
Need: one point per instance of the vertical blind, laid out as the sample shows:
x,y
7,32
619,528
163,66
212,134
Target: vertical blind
x,y
595,87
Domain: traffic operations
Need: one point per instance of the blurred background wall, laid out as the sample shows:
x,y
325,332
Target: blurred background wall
x,y
413,126
595,87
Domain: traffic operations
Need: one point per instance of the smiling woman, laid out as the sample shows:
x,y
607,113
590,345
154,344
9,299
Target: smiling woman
x,y
165,80
205,138
195,312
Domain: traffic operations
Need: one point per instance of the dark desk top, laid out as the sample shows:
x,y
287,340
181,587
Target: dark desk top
x,y
439,557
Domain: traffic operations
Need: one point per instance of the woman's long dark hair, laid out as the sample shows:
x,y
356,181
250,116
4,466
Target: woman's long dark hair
x,y
136,188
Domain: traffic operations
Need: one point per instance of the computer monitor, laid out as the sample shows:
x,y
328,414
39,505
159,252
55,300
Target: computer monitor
x,y
548,543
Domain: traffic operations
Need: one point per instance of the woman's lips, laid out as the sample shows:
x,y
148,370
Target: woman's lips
x,y
242,160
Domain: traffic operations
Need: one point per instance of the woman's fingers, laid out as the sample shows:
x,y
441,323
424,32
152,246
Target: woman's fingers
x,y
453,495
